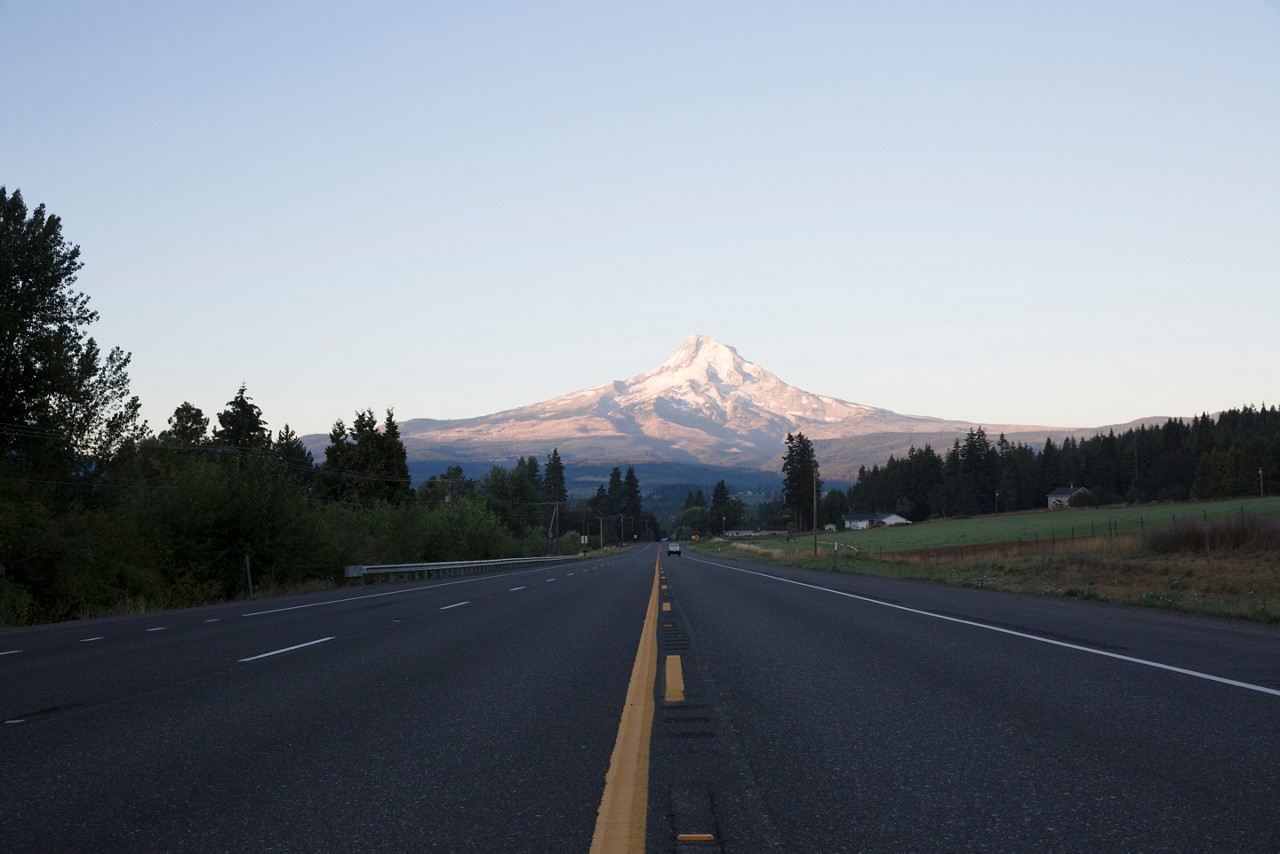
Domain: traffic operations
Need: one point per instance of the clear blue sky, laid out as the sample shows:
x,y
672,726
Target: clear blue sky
x,y
1013,212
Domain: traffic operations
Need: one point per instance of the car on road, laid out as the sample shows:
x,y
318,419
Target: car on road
x,y
673,549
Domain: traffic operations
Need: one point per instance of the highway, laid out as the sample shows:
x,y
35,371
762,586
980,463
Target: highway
x,y
814,712
862,714
473,714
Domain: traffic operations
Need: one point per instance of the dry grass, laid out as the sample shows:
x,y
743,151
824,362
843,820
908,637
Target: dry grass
x,y
1229,570
1237,585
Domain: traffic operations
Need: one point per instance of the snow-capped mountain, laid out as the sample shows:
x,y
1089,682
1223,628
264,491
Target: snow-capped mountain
x,y
704,405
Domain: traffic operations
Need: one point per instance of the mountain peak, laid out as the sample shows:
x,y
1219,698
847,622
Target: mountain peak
x,y
700,349
705,403
702,363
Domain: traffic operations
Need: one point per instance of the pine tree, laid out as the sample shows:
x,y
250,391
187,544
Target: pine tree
x,y
631,500
188,426
60,398
800,479
240,425
554,488
364,462
614,494
293,455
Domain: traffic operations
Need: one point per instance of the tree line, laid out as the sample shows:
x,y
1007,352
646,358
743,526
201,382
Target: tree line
x,y
97,513
1233,455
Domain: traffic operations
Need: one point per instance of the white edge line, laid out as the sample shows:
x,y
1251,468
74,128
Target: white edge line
x,y
1143,661
455,605
286,649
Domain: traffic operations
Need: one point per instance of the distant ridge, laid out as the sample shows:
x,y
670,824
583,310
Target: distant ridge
x,y
704,406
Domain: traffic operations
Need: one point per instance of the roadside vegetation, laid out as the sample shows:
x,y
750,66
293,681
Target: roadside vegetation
x,y
99,515
1220,558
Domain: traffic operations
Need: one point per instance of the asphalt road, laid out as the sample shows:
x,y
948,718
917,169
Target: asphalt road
x,y
473,714
838,713
820,713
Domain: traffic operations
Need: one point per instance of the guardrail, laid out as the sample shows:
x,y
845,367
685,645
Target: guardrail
x,y
446,569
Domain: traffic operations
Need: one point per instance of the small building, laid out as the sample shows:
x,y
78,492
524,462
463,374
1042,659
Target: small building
x,y
1060,498
864,521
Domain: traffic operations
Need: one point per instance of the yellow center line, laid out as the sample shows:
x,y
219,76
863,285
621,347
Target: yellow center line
x,y
673,692
620,821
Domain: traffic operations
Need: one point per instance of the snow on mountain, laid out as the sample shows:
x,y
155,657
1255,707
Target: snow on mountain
x,y
705,404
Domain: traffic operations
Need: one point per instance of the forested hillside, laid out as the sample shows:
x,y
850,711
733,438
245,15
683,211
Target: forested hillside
x,y
1235,454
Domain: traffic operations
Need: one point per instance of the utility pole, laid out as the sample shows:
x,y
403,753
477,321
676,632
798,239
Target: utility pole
x,y
815,506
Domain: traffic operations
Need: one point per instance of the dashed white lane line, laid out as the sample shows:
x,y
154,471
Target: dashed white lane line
x,y
286,649
158,629
397,592
514,589
11,652
89,640
455,605
214,620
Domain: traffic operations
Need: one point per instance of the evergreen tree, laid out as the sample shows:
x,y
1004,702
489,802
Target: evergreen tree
x,y
834,506
293,455
719,508
365,463
699,500
60,398
188,426
240,425
450,486
614,494
631,494
554,488
1205,458
800,479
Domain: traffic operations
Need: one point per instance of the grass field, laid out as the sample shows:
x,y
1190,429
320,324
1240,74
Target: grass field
x,y
1220,557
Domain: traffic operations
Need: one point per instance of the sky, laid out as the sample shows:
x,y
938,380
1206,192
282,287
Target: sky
x,y
1057,214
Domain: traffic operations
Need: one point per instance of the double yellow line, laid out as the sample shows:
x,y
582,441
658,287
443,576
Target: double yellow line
x,y
620,821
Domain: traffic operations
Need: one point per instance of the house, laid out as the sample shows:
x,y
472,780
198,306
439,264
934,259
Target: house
x,y
1060,498
863,521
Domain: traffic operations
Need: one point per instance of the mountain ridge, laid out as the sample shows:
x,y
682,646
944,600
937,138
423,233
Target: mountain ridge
x,y
704,405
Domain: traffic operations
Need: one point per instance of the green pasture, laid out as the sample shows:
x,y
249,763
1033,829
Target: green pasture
x,y
1042,525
